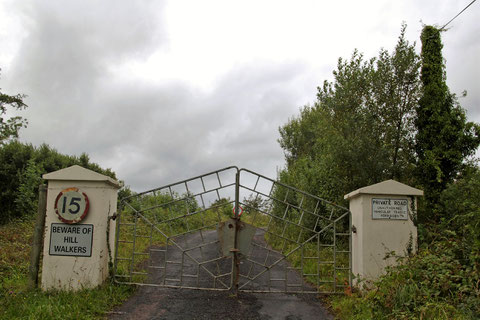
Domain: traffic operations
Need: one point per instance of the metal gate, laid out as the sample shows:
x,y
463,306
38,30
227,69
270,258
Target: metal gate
x,y
233,229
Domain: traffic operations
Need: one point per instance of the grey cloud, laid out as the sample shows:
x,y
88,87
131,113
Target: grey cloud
x,y
158,134
70,47
151,134
68,51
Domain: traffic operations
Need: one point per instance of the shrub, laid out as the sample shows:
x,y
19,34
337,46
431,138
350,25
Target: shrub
x,y
21,168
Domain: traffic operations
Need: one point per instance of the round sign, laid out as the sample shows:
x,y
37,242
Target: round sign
x,y
71,205
241,211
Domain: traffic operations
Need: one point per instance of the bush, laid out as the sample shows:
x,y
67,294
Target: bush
x,y
460,211
21,168
434,284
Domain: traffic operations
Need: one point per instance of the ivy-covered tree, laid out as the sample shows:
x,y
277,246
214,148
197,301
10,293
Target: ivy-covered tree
x,y
444,138
10,126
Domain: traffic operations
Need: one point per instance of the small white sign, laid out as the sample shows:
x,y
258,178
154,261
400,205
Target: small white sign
x,y
390,209
71,240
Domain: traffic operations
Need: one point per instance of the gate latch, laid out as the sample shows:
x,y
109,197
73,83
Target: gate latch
x,y
226,234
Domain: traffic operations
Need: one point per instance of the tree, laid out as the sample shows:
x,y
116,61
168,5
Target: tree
x,y
444,137
254,204
27,194
9,127
360,129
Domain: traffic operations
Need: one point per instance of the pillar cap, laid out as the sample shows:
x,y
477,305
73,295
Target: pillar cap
x,y
78,173
388,187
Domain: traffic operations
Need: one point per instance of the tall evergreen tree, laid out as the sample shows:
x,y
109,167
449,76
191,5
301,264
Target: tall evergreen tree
x,y
444,137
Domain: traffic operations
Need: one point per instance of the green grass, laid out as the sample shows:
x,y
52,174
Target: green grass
x,y
17,301
311,259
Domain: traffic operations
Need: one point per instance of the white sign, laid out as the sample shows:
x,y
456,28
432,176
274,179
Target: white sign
x,y
71,240
391,209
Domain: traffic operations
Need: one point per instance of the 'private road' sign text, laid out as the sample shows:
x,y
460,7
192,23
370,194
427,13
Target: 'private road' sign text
x,y
71,240
391,209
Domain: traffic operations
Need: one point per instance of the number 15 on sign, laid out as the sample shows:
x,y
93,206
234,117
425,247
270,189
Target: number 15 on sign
x,y
71,205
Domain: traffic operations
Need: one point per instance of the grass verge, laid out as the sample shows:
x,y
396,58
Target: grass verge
x,y
19,302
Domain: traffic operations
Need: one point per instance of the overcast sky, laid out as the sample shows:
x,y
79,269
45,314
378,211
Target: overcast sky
x,y
163,90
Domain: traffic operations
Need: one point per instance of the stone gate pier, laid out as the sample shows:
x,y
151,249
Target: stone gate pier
x,y
79,229
383,227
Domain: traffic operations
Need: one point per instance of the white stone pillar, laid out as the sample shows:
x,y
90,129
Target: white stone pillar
x,y
80,204
382,226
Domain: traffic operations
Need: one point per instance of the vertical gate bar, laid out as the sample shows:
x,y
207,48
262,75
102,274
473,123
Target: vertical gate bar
x,y
318,216
257,210
203,240
170,215
269,212
350,249
318,262
331,213
203,226
219,181
203,202
185,217
286,196
117,237
269,279
198,275
302,267
133,244
284,238
270,207
181,268
155,215
165,261
187,200
150,245
236,260
237,193
334,257
218,194
250,269
256,183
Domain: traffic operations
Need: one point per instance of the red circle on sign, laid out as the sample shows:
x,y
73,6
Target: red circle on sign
x,y
71,205
241,211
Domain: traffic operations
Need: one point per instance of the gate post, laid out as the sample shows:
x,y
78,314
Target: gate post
x,y
80,207
383,227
